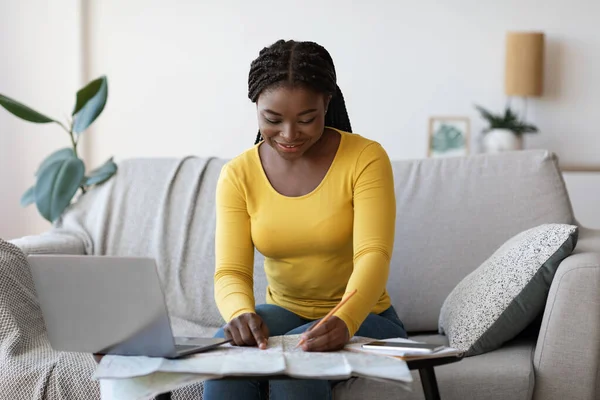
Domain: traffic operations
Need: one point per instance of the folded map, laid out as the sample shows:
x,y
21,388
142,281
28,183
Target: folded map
x,y
144,377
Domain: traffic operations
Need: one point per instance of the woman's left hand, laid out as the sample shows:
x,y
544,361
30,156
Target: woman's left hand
x,y
330,336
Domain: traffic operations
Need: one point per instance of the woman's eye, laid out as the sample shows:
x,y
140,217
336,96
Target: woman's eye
x,y
307,121
271,121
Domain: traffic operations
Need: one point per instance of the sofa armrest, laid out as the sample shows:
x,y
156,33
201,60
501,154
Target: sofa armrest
x,y
567,355
56,241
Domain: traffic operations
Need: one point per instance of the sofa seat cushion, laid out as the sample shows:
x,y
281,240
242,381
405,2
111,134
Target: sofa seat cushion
x,y
506,373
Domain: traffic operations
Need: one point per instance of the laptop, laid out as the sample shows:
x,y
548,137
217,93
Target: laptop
x,y
108,305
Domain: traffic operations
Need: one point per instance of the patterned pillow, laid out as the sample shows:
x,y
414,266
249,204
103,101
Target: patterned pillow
x,y
508,291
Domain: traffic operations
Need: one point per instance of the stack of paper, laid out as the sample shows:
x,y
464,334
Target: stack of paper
x,y
144,377
404,355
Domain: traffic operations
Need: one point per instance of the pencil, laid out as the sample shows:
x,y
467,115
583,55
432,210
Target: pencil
x,y
329,314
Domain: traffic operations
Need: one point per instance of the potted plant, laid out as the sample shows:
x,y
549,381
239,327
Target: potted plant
x,y
505,131
62,174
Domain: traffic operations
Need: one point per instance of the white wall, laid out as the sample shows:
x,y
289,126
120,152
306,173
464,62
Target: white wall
x,y
584,191
40,67
178,70
178,74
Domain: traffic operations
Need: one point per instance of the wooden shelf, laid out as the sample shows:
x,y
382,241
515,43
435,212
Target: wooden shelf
x,y
580,168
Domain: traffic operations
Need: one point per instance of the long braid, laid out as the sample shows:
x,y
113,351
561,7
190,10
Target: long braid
x,y
299,63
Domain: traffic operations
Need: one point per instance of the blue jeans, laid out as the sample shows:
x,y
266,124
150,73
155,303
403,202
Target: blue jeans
x,y
283,322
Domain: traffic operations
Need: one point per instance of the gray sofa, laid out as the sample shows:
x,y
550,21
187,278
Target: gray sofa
x,y
452,214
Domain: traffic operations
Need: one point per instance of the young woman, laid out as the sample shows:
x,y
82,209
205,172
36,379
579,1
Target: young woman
x,y
318,202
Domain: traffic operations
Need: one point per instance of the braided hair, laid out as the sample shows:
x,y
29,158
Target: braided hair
x,y
299,63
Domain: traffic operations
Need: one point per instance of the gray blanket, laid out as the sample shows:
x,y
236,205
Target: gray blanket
x,y
29,368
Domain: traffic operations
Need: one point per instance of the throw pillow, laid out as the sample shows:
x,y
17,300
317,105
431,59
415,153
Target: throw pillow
x,y
508,291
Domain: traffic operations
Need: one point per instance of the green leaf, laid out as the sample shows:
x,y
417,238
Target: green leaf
x,y
510,117
61,154
28,197
102,173
22,111
489,117
486,114
56,185
90,102
522,127
508,120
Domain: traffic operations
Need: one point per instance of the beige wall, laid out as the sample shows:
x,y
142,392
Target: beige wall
x,y
41,67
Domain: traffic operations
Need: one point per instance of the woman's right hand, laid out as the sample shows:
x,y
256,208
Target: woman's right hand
x,y
247,330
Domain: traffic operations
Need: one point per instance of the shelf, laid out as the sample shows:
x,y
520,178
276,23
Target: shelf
x,y
580,168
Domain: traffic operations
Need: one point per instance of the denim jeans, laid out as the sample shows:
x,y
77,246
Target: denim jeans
x,y
283,322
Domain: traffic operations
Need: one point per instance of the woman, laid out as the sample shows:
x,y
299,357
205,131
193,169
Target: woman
x,y
318,202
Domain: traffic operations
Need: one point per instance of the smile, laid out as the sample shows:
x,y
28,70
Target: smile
x,y
289,147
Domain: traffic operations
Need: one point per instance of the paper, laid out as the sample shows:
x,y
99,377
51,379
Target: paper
x,y
407,355
300,364
146,387
144,377
127,367
231,360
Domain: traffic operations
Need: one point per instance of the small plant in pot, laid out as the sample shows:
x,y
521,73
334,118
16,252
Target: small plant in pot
x,y
505,131
62,174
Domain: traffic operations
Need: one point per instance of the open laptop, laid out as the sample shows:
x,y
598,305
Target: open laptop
x,y
108,305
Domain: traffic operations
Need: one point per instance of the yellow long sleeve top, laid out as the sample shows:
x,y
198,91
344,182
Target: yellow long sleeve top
x,y
335,239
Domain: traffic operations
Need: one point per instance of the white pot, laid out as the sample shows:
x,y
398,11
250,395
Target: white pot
x,y
498,140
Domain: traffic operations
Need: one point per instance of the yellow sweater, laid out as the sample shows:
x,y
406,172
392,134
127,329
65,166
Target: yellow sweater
x,y
335,239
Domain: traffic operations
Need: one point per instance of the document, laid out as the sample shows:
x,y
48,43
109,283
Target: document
x,y
129,377
405,355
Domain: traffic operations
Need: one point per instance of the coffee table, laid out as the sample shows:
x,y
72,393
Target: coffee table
x,y
425,367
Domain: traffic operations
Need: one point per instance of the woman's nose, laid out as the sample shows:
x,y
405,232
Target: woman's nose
x,y
289,132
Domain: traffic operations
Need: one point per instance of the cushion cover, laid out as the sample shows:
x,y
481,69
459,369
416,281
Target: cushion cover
x,y
508,291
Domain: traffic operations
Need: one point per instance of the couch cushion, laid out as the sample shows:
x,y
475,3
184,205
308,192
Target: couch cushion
x,y
502,374
452,213
504,295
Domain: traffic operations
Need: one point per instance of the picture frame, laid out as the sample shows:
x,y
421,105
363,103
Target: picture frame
x,y
449,136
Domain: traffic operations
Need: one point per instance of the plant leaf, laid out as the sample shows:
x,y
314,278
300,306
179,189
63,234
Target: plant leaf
x,y
522,127
22,111
530,129
508,120
91,100
28,197
492,119
510,117
56,185
484,113
61,154
102,173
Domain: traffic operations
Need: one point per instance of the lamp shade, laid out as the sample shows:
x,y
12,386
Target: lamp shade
x,y
524,74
